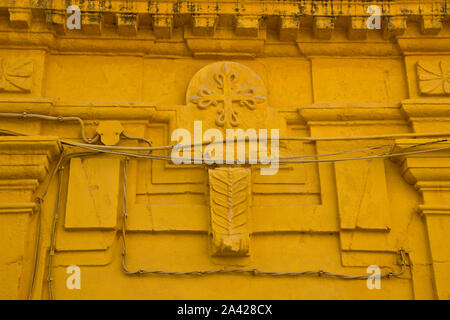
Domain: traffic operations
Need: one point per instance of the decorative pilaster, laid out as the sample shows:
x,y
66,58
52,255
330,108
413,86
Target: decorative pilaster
x,y
430,174
24,164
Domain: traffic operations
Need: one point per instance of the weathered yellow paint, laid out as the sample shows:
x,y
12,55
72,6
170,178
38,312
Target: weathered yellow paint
x,y
140,69
92,194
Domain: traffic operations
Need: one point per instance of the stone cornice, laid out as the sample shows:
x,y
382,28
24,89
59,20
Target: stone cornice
x,y
426,108
25,162
26,159
339,112
297,8
431,166
245,18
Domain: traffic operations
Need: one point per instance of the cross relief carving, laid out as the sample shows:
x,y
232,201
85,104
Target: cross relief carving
x,y
227,91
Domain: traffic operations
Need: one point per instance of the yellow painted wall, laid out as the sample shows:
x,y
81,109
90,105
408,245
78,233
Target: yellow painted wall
x,y
136,67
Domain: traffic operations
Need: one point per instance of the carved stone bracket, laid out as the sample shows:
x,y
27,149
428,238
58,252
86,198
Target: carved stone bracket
x,y
162,26
323,27
289,27
247,26
204,25
431,24
395,26
20,18
127,24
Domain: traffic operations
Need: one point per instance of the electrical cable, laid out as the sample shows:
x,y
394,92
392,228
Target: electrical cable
x,y
189,146
36,251
59,168
254,272
120,150
40,198
26,115
138,139
280,160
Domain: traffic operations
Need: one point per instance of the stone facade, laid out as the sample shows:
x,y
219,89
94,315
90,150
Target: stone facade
x,y
138,70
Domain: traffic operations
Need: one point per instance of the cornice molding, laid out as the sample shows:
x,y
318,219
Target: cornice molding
x,y
340,112
246,17
297,8
427,108
30,145
430,162
25,163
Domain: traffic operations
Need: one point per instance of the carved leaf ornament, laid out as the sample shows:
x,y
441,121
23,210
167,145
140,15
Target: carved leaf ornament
x,y
434,78
229,201
15,74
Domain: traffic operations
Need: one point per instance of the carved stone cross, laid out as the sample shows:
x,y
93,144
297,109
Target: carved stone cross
x,y
227,82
